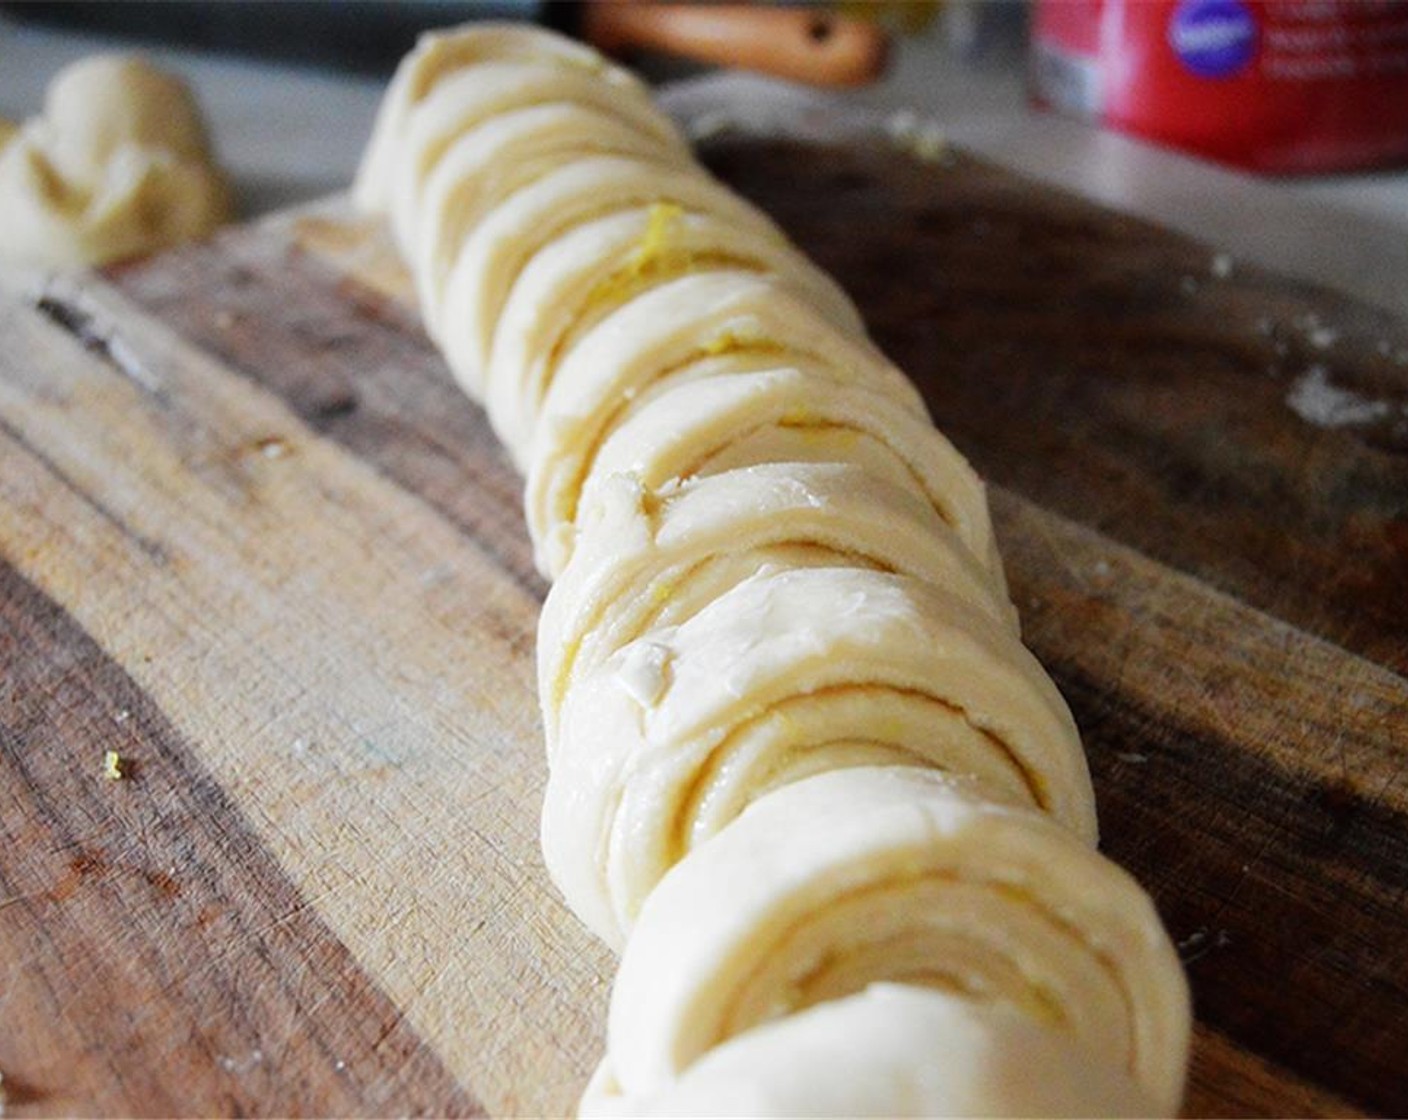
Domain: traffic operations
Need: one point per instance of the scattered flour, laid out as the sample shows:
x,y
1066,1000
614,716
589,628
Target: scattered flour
x,y
643,671
241,1065
1317,402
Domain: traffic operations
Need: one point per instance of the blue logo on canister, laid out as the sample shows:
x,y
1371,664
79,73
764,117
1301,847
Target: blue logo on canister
x,y
1213,38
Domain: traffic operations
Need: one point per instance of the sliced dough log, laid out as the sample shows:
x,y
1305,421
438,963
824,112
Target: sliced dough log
x,y
791,672
704,421
439,54
651,558
489,162
583,276
890,1050
845,879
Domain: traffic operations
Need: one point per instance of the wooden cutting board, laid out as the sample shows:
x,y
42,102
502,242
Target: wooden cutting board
x,y
253,539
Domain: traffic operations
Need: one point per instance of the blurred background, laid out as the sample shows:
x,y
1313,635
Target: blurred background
x,y
290,90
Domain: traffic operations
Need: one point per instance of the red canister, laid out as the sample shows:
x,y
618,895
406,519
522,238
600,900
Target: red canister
x,y
1279,86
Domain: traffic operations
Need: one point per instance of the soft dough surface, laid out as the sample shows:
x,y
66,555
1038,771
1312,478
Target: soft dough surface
x,y
676,732
860,876
890,1050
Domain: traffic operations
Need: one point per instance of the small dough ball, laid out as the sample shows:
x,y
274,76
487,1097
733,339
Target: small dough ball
x,y
117,166
103,103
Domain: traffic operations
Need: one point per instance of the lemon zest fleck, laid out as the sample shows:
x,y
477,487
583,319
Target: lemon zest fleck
x,y
722,343
659,223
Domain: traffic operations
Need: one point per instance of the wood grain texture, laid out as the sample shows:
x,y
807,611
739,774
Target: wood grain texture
x,y
294,513
351,671
157,958
1253,778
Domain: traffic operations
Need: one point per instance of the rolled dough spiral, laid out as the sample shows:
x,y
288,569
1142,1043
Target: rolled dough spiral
x,y
802,770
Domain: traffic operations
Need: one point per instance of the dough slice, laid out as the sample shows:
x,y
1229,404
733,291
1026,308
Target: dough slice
x,y
492,160
441,53
704,421
496,253
890,1050
791,672
579,279
468,98
647,558
860,876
